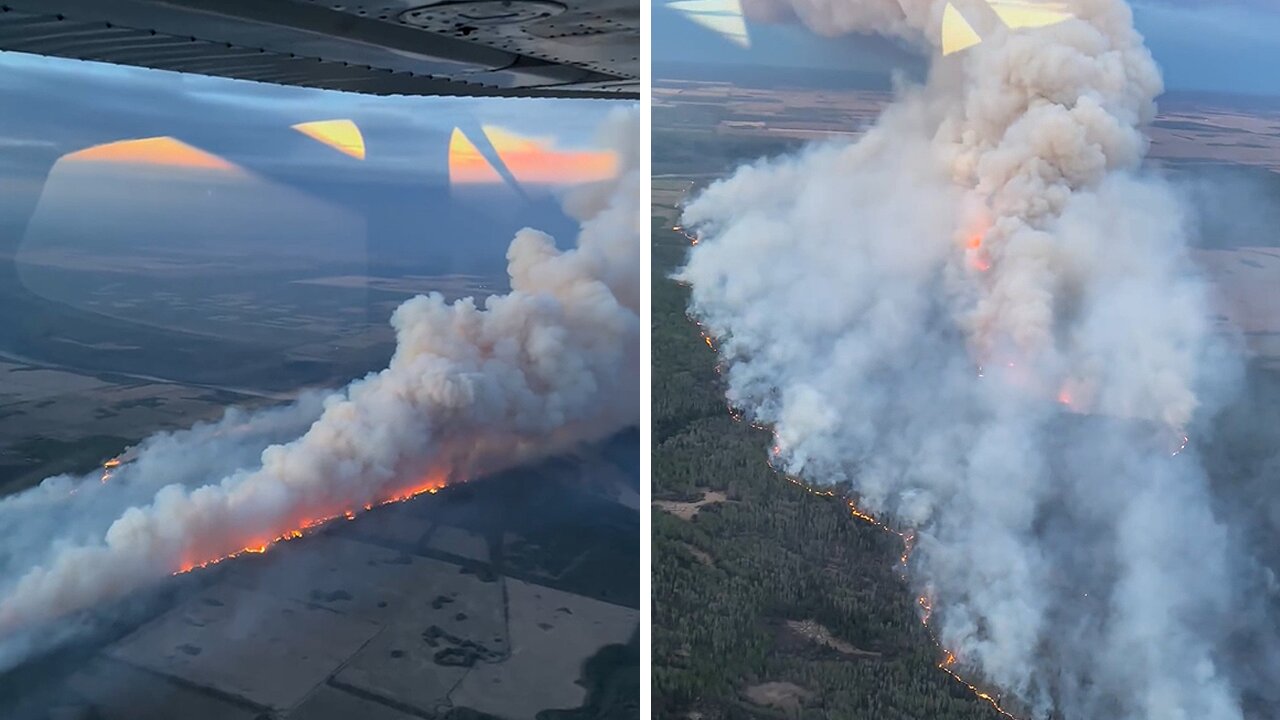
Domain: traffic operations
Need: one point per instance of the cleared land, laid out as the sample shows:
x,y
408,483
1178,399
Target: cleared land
x,y
689,510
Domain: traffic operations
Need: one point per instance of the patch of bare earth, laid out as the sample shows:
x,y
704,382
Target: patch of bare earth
x,y
817,633
687,510
700,555
785,696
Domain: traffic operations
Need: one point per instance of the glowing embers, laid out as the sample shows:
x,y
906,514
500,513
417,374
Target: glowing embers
x,y
959,34
109,468
159,151
431,484
973,241
341,135
529,160
721,16
926,609
978,256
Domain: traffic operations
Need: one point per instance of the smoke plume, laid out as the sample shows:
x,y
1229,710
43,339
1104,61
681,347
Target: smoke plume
x,y
983,317
471,389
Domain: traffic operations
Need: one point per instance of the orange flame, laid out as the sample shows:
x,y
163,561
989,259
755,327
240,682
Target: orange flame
x,y
108,468
974,241
431,485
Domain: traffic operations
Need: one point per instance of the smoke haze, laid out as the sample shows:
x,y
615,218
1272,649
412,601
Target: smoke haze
x,y
471,389
983,316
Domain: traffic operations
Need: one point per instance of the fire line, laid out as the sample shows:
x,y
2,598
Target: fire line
x,y
907,537
431,486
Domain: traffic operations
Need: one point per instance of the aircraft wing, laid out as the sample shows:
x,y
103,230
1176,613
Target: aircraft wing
x,y
526,48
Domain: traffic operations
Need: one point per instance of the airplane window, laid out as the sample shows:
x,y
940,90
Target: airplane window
x,y
314,404
175,244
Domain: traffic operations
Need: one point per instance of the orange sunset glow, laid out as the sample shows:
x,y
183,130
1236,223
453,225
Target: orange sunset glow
x,y
531,160
341,135
161,151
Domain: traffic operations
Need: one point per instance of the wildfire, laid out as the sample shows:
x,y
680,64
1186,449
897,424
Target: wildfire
x,y
926,612
432,485
706,336
862,515
974,244
908,544
108,467
809,488
980,261
736,415
949,660
991,700
924,602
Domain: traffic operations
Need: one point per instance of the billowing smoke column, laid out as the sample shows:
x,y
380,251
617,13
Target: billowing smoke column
x,y
470,389
983,317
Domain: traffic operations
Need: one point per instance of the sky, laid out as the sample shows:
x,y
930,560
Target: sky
x,y
1228,46
97,155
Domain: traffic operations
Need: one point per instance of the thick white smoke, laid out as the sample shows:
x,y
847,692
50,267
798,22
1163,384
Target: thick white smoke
x,y
470,389
983,316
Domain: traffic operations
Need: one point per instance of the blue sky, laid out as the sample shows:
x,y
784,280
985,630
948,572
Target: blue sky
x,y
1221,45
1216,45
